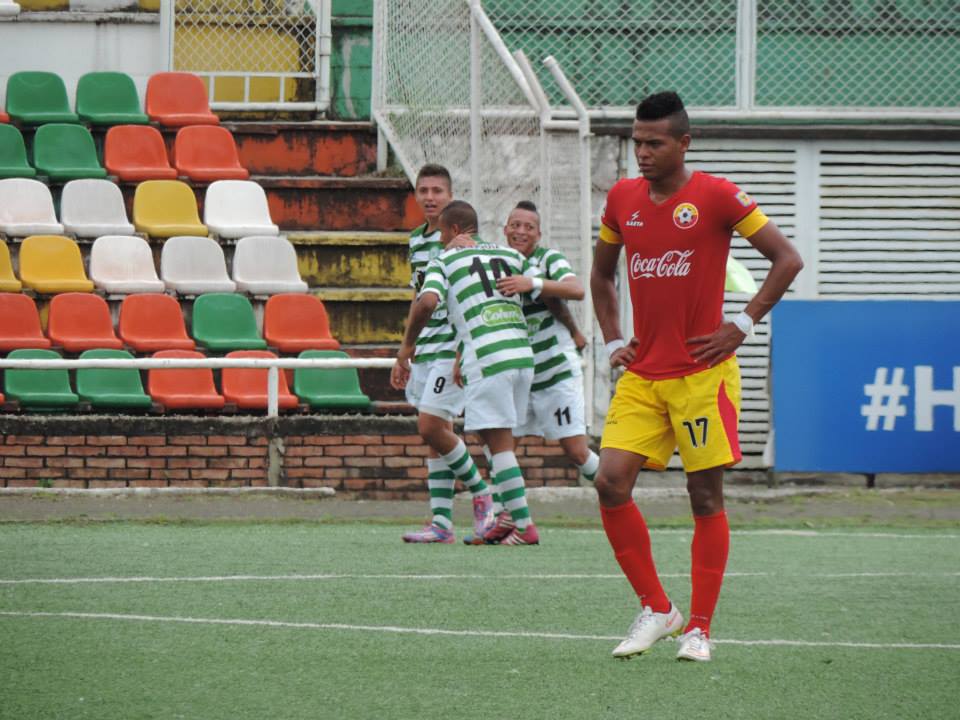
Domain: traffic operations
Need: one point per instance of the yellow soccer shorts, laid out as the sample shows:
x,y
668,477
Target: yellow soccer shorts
x,y
699,413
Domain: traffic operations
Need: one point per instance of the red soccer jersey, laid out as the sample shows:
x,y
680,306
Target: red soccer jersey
x,y
676,263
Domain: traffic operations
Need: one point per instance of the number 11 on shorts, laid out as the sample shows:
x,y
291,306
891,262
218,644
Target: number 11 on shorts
x,y
701,424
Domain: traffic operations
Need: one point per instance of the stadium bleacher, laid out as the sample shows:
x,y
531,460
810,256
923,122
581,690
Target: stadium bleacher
x,y
136,152
193,265
204,153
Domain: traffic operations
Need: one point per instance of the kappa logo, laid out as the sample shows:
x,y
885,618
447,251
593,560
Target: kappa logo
x,y
685,215
634,220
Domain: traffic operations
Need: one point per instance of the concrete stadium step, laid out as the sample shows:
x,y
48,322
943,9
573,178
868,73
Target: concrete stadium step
x,y
364,315
376,383
352,258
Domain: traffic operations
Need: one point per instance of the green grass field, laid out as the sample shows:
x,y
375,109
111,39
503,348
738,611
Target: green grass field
x,y
307,620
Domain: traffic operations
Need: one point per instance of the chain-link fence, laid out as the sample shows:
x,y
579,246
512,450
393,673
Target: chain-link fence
x,y
256,54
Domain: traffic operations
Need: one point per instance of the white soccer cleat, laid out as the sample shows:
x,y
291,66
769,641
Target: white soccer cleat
x,y
695,646
647,629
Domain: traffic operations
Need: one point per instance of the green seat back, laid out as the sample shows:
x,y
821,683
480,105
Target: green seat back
x,y
109,98
38,97
13,154
224,322
329,388
66,152
108,387
43,390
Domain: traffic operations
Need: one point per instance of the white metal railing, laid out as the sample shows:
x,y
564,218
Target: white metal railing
x,y
271,365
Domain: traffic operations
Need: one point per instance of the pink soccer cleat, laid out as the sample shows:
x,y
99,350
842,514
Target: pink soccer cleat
x,y
502,526
430,534
527,536
483,517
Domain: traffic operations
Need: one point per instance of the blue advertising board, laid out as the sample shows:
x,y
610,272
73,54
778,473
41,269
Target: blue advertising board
x,y
866,386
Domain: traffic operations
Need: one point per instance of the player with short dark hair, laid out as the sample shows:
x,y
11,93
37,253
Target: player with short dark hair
x,y
682,385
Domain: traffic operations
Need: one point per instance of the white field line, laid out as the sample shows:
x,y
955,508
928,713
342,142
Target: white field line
x,y
456,633
431,577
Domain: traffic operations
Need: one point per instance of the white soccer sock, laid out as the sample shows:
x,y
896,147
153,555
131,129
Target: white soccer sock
x,y
510,486
440,483
462,465
497,502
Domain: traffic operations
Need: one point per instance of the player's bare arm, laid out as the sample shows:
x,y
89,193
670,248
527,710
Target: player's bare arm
x,y
606,306
420,312
563,315
516,284
786,263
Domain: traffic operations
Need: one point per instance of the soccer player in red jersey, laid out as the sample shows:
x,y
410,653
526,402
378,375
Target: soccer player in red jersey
x,y
682,385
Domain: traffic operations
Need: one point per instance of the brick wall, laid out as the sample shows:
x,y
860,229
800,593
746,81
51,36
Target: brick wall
x,y
369,457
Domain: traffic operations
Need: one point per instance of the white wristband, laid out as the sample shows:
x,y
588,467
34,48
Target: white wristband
x,y
744,323
615,345
537,284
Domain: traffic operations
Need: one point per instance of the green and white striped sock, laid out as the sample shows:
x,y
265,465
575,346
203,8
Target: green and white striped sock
x,y
590,467
497,500
440,482
463,466
509,482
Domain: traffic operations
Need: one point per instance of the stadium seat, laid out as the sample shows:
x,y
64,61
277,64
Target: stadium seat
x,y
134,153
91,208
81,321
26,208
13,154
52,264
4,118
109,98
40,390
8,8
247,387
151,322
164,208
184,388
175,99
266,265
20,323
329,388
66,152
191,265
296,322
111,388
8,281
237,208
123,264
225,321
205,153
34,98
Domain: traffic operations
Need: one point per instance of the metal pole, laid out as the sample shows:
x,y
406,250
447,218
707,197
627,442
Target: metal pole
x,y
323,48
273,391
475,102
746,55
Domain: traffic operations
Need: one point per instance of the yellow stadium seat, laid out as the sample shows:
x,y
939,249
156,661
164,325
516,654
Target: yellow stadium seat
x,y
164,208
8,281
52,264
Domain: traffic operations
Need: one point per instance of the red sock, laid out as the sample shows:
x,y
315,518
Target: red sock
x,y
630,540
711,544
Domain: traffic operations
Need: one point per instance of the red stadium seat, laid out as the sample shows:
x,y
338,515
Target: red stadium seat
x,y
4,118
293,322
20,323
136,152
81,321
184,388
248,387
175,99
151,322
205,153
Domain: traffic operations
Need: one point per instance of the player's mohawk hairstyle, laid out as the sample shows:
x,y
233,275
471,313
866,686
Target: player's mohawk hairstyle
x,y
528,206
668,105
461,214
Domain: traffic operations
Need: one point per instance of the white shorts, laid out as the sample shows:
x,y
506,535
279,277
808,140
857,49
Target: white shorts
x,y
499,401
555,412
431,389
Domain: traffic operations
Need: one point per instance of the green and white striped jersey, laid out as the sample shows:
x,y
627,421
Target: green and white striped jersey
x,y
491,325
554,353
438,340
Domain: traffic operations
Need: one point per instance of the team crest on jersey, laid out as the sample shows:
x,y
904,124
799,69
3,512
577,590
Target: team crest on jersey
x,y
744,199
685,215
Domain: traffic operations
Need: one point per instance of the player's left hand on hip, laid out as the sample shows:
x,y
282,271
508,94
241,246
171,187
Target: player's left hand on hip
x,y
514,284
717,345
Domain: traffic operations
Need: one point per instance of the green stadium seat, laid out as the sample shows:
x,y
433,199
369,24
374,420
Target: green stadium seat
x,y
109,98
40,390
110,388
13,154
224,322
34,98
66,152
334,388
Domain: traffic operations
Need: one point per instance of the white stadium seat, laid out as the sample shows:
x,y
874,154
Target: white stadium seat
x,y
192,265
266,265
26,208
122,265
92,207
9,8
237,208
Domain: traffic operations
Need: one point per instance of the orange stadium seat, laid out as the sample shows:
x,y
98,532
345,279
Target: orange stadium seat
x,y
81,321
20,323
136,152
4,118
293,322
184,388
175,99
205,153
248,387
151,322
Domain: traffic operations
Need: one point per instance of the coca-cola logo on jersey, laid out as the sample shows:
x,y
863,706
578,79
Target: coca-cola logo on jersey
x,y
673,263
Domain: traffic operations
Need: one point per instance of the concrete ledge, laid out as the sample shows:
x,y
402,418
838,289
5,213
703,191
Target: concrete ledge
x,y
297,493
70,16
